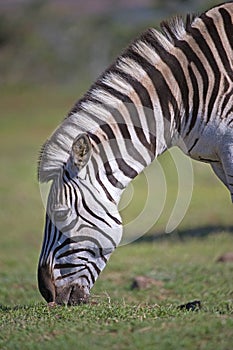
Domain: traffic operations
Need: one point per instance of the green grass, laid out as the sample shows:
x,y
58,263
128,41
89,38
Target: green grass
x,y
118,317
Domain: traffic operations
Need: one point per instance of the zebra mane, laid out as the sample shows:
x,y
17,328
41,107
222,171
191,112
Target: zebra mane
x,y
175,28
55,152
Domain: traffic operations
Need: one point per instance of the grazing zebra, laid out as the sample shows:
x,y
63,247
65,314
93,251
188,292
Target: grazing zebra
x,y
168,88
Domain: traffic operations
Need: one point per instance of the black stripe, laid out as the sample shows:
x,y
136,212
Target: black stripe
x,y
101,205
226,84
202,43
67,266
108,131
90,178
132,110
86,278
123,166
85,267
61,266
229,113
56,238
194,144
47,233
120,121
75,251
114,219
138,88
66,275
145,102
210,25
70,193
86,220
108,195
192,57
196,100
227,25
132,150
71,187
108,170
64,186
176,69
96,229
126,169
230,121
97,269
89,211
111,177
94,197
208,160
163,91
227,97
52,228
80,239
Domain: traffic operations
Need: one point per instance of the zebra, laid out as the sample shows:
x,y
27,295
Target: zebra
x,y
172,87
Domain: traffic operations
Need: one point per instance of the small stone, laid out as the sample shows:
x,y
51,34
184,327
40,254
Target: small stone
x,y
144,282
227,257
191,306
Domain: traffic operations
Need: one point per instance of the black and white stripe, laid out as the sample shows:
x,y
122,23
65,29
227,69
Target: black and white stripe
x,y
168,88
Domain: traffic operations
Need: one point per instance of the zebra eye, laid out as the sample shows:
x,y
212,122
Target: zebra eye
x,y
60,214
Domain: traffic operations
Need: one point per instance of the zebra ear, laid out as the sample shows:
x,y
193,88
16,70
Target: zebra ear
x,y
81,151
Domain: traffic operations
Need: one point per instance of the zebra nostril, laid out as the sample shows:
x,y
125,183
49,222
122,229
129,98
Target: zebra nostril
x,y
45,283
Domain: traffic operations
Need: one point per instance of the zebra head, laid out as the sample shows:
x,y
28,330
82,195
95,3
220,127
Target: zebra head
x,y
80,230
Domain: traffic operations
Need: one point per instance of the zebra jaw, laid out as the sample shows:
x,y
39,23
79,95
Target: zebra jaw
x,y
65,295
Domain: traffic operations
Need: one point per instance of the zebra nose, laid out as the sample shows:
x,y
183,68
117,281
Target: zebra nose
x,y
45,283
72,295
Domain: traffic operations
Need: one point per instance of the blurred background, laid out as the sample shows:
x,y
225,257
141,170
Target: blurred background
x,y
50,53
68,42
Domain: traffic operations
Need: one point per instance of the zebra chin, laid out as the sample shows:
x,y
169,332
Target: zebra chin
x,y
72,294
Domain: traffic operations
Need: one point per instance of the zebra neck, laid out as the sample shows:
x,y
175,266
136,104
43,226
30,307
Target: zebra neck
x,y
116,160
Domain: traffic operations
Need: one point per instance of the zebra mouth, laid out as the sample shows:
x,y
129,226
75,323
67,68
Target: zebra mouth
x,y
72,295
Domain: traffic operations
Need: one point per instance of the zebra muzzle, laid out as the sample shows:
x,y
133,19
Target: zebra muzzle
x,y
72,295
64,295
